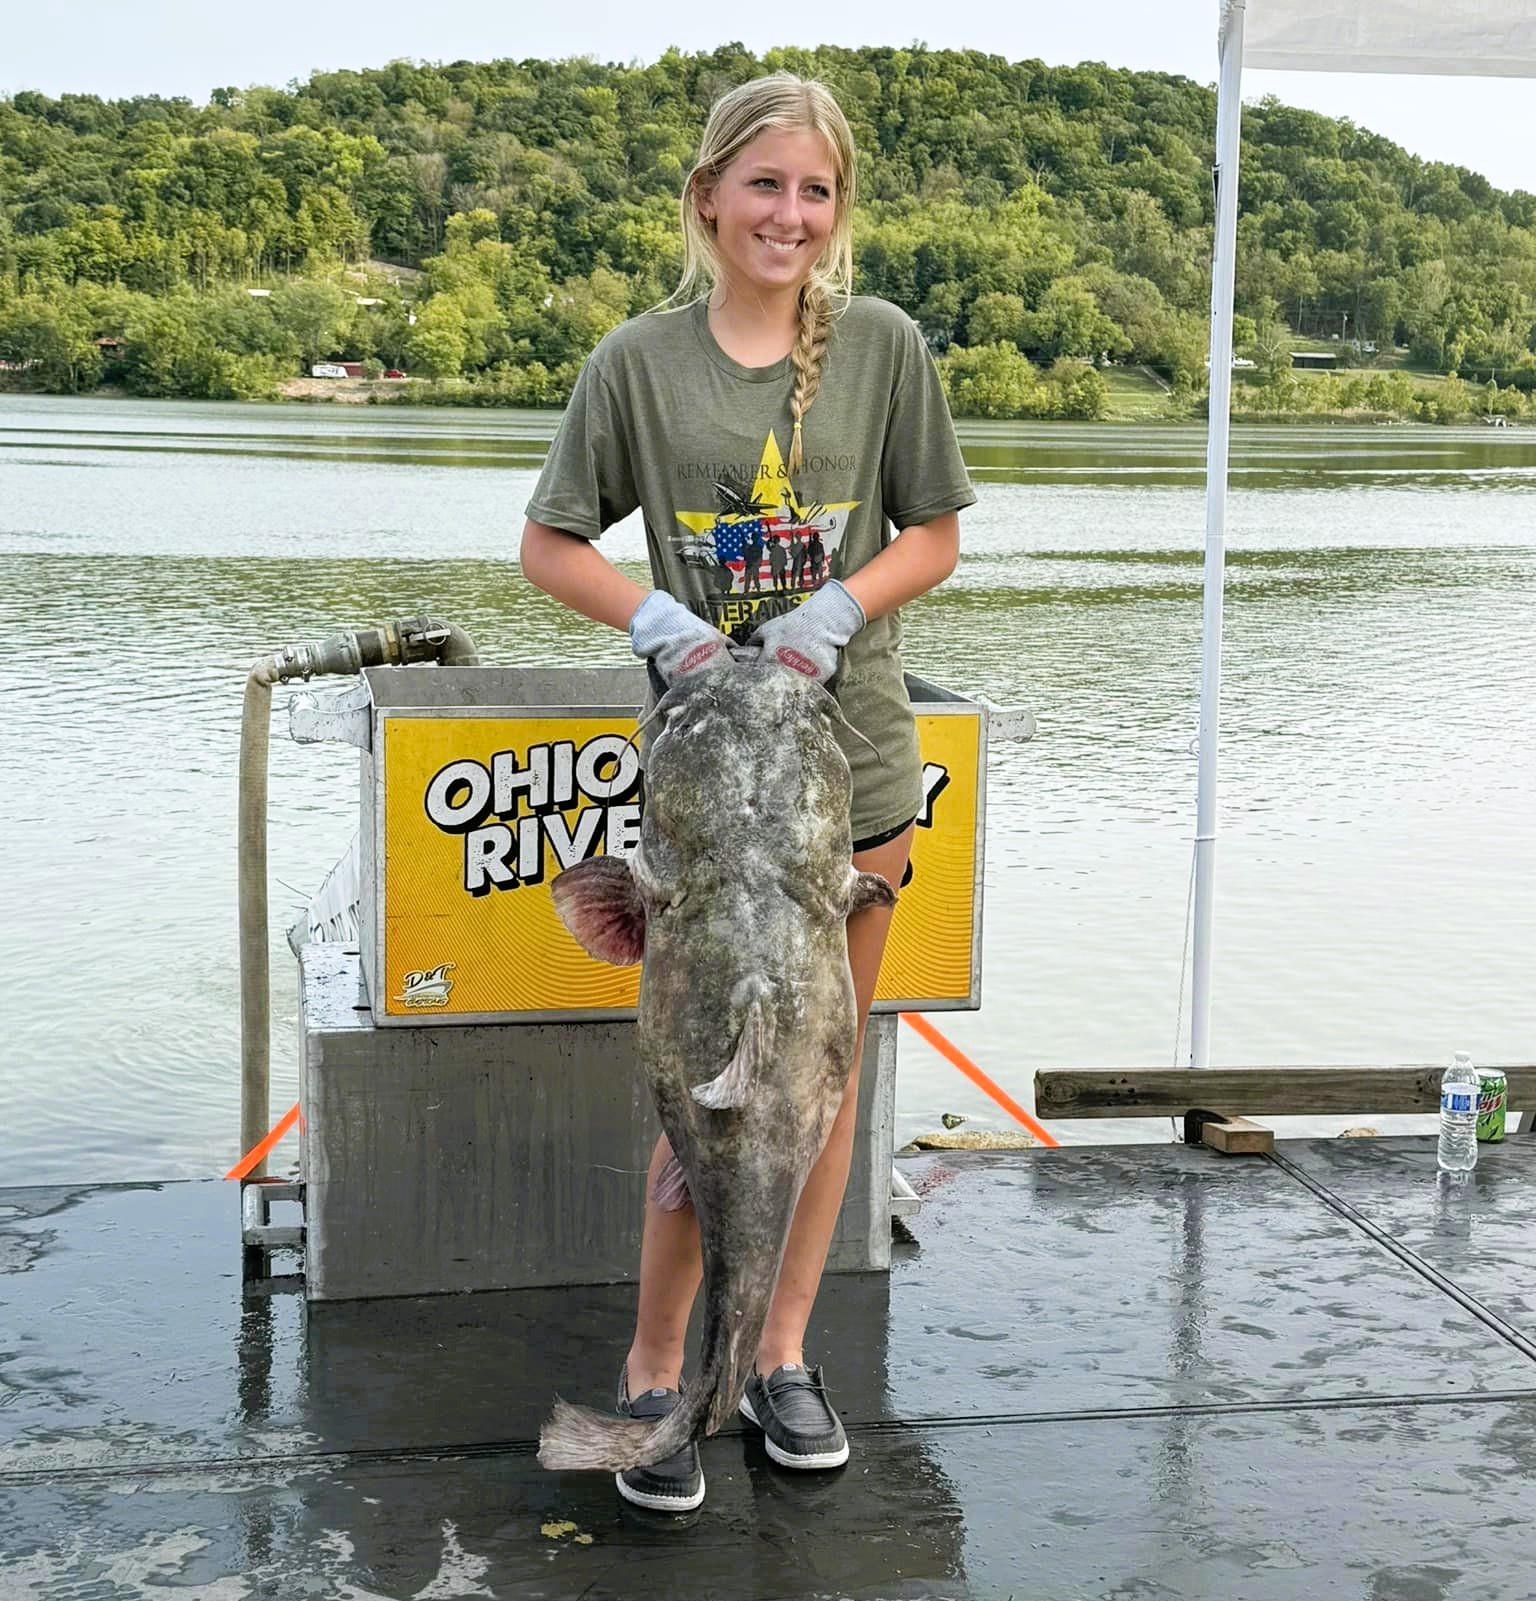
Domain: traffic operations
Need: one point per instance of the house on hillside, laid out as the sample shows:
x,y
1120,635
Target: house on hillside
x,y
1314,360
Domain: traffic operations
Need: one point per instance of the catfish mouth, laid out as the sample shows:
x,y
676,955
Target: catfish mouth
x,y
688,703
682,706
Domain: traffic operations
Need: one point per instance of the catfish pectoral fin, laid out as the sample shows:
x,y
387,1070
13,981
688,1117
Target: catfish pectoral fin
x,y
869,889
598,902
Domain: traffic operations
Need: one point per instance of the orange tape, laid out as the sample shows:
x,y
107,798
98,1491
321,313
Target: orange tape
x,y
258,1152
959,1059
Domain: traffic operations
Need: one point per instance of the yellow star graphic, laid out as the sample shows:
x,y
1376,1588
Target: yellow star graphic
x,y
772,490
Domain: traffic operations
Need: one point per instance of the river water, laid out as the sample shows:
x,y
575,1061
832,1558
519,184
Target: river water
x,y
1377,865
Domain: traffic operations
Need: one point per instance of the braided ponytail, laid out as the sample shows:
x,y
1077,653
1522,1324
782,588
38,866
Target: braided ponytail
x,y
809,356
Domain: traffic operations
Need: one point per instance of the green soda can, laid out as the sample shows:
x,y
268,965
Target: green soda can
x,y
1492,1102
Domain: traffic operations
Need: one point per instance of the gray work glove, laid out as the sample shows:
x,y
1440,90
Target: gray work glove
x,y
809,638
674,640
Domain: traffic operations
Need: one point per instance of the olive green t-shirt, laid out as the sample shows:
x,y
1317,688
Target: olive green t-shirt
x,y
661,418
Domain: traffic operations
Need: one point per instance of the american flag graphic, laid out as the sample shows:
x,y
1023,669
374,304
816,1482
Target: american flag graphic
x,y
731,540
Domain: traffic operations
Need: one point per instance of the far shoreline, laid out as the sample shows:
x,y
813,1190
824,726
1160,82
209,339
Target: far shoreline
x,y
384,393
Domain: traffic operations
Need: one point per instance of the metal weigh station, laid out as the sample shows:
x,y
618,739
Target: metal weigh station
x,y
473,1115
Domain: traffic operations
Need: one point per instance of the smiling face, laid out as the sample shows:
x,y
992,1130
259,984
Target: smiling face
x,y
773,209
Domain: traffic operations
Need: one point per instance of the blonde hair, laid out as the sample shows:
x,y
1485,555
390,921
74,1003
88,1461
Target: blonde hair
x,y
779,100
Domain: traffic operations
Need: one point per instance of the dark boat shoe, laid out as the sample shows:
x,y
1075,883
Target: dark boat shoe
x,y
676,1485
800,1429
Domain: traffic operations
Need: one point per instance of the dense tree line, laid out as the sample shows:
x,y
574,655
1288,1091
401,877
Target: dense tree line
x,y
1033,219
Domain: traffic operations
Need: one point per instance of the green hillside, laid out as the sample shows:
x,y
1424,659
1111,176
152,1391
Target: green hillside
x,y
1031,218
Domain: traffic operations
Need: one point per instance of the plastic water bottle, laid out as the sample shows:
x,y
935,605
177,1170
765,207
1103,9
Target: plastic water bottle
x,y
1458,1116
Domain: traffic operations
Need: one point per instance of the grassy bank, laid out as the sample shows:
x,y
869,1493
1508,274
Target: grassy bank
x,y
1132,394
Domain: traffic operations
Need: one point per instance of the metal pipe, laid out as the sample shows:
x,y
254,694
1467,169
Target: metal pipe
x,y
1229,113
402,640
255,977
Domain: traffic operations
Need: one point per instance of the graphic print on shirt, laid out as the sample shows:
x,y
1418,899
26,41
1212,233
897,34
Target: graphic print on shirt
x,y
761,551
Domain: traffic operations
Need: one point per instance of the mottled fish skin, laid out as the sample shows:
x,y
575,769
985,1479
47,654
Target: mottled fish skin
x,y
743,874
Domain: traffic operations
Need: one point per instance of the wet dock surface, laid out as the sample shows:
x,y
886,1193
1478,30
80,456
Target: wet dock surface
x,y
1128,1372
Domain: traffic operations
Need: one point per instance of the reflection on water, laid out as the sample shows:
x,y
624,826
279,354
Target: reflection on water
x,y
1325,458
1378,766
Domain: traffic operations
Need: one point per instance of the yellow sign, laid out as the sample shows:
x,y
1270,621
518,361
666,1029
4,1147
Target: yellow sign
x,y
931,952
480,813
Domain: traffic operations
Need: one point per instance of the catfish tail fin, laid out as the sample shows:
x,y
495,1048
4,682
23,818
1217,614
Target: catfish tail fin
x,y
577,1437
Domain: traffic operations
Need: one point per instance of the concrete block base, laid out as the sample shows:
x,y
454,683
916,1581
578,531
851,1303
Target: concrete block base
x,y
502,1156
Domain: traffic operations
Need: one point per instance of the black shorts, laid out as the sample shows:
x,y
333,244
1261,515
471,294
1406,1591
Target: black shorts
x,y
882,839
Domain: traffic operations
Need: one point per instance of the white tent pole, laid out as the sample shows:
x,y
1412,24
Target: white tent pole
x,y
1229,112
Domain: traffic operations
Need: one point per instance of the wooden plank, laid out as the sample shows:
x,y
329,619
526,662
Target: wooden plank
x,y
1278,1091
1236,1136
1232,1136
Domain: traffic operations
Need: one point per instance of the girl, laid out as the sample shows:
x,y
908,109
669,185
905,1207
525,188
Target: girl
x,y
686,413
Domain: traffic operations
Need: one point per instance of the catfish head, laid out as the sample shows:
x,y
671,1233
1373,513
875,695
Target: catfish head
x,y
743,780
600,902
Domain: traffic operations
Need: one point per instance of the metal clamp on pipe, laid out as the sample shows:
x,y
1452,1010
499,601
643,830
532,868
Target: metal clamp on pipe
x,y
399,642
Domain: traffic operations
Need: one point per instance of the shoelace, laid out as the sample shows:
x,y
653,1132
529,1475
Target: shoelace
x,y
800,1375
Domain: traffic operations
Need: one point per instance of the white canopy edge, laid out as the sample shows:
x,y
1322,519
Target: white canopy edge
x,y
1473,38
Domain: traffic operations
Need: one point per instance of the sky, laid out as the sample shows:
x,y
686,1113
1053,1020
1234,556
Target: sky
x,y
188,47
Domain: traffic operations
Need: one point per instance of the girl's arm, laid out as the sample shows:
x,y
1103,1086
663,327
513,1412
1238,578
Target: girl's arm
x,y
916,560
578,575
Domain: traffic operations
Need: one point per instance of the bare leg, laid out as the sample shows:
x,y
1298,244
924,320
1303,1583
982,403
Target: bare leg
x,y
670,1265
670,1270
816,1216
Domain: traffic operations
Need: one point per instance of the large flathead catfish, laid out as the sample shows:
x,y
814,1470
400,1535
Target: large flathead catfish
x,y
736,898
